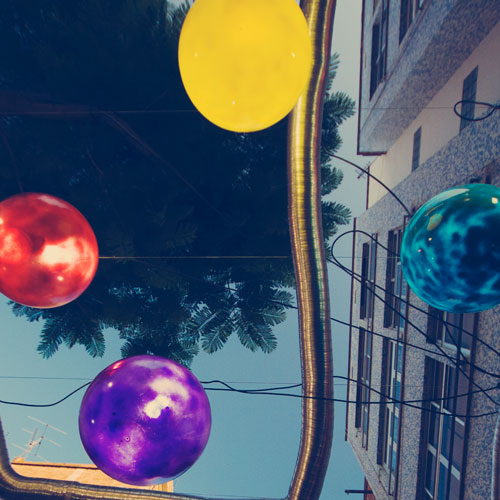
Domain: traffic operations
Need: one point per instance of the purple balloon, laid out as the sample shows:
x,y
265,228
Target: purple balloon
x,y
144,420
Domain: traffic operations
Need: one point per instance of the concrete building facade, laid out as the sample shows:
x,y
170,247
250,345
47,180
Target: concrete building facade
x,y
418,59
81,473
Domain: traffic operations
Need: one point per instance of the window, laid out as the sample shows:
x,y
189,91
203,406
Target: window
x,y
450,330
368,258
365,256
379,47
468,94
363,387
409,10
415,160
395,284
390,411
444,432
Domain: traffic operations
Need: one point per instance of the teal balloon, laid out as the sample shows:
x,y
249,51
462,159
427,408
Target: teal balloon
x,y
450,253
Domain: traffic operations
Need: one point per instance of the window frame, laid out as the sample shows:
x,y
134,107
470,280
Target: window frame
x,y
440,329
417,143
469,92
440,431
378,64
395,284
392,410
408,12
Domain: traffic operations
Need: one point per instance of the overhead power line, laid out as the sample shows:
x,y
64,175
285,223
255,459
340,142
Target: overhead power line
x,y
271,391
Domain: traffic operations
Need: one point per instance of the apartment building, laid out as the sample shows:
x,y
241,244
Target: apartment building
x,y
419,58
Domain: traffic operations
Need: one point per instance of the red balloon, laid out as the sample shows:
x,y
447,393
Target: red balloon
x,y
48,251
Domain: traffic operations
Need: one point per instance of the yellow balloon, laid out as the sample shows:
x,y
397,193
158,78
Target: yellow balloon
x,y
245,63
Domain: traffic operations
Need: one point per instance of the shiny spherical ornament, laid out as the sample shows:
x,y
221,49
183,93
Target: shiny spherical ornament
x,y
48,251
245,63
144,420
450,253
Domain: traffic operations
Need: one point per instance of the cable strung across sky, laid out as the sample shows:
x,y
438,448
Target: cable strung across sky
x,y
271,391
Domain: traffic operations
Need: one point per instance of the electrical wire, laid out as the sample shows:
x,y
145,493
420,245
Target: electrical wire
x,y
450,359
490,109
270,391
333,155
96,112
443,353
430,351
426,312
176,257
31,405
339,400
388,337
352,274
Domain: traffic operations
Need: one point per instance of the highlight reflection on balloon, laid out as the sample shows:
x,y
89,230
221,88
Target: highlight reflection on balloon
x,y
48,251
450,253
144,420
245,63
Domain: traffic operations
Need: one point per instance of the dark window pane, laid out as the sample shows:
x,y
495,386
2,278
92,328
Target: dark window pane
x,y
452,328
442,482
417,137
359,387
437,381
378,60
449,389
364,276
467,326
386,433
458,446
468,94
403,19
463,386
400,358
396,423
430,471
375,54
389,280
433,426
446,437
402,305
431,325
454,488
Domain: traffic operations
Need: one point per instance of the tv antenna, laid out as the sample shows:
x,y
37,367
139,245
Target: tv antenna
x,y
37,438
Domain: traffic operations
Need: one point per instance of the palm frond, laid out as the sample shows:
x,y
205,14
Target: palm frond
x,y
333,66
51,337
31,313
331,177
274,316
255,337
96,344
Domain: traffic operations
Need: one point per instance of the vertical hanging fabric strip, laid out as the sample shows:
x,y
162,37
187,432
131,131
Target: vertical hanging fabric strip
x,y
304,212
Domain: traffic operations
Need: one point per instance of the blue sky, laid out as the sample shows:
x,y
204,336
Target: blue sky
x,y
254,442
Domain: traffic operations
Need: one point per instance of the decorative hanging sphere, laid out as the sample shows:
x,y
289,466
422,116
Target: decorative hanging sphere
x,y
245,63
450,253
144,420
48,251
